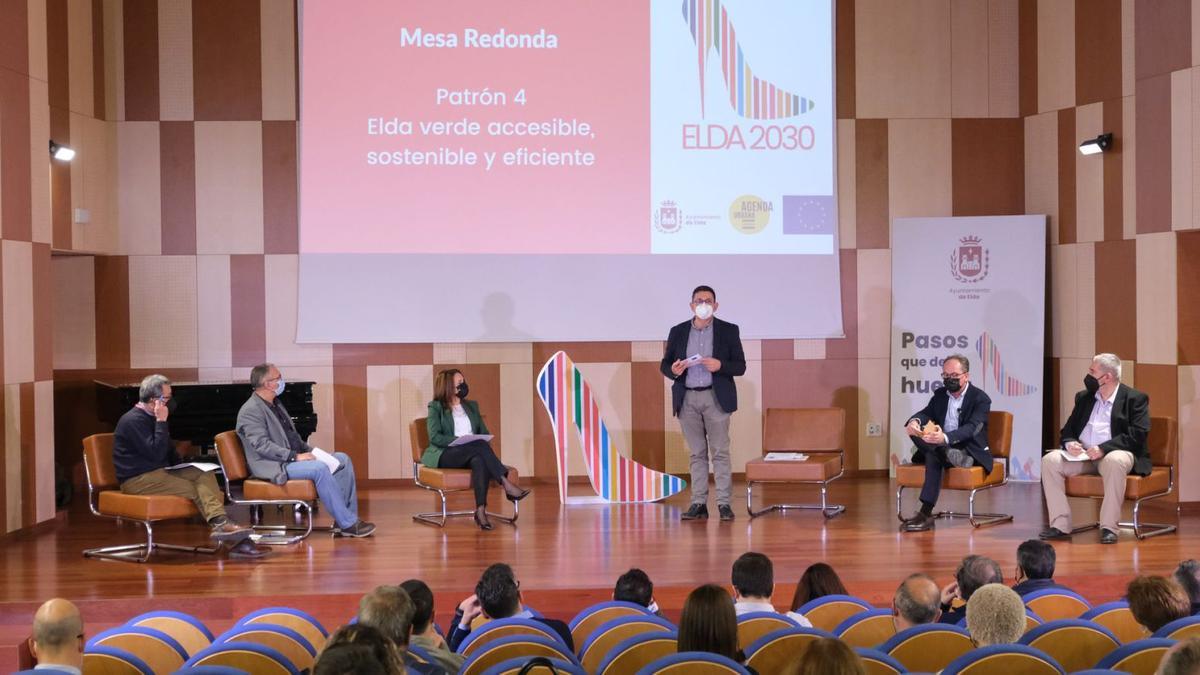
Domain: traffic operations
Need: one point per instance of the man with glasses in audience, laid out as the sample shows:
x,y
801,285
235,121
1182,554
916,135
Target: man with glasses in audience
x,y
949,432
57,641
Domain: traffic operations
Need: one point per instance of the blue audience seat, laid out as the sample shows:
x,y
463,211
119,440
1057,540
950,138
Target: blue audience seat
x,y
590,618
1056,603
1116,617
282,639
753,625
829,611
298,620
876,662
928,647
1075,643
1139,656
694,663
161,652
499,650
634,653
773,652
247,656
1180,629
614,631
114,661
1004,660
188,631
502,628
867,629
518,665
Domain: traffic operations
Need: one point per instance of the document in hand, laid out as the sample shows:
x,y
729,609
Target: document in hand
x,y
326,459
470,438
203,466
1081,457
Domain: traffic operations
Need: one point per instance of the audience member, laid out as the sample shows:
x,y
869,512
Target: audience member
x,y
390,610
753,585
917,601
995,615
817,581
359,650
1187,575
1183,658
57,641
424,634
708,623
635,586
1035,567
973,572
1156,601
498,596
830,656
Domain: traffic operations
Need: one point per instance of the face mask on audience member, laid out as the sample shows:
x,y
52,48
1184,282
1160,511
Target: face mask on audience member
x,y
703,311
461,390
279,386
951,384
1091,384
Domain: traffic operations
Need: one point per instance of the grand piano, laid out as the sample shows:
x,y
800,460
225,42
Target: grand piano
x,y
205,409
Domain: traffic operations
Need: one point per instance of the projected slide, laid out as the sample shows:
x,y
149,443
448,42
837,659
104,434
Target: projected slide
x,y
658,144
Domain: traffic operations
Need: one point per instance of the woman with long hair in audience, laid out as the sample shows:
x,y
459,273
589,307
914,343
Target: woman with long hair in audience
x,y
452,415
829,656
359,650
709,624
817,581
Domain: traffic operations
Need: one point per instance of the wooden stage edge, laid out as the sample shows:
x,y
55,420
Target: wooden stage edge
x,y
567,557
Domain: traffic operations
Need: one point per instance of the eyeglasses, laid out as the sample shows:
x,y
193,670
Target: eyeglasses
x,y
951,376
703,302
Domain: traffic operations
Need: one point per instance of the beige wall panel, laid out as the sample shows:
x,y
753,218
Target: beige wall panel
x,y
1181,150
38,66
1157,307
611,385
385,428
1129,167
1129,372
919,177
74,312
847,193
18,312
872,407
79,57
214,374
650,351
1193,190
1070,373
139,197
500,352
1128,77
808,350
12,458
1189,433
214,312
1056,54
229,187
282,306
278,59
745,425
1041,168
175,97
39,174
1003,59
1072,323
114,60
416,391
449,352
1089,176
43,398
100,188
517,411
752,349
675,450
322,400
874,290
968,58
902,58
162,334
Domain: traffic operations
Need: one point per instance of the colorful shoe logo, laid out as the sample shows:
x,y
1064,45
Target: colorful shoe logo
x,y
994,371
750,96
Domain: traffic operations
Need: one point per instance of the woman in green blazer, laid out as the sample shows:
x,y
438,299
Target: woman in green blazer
x,y
451,415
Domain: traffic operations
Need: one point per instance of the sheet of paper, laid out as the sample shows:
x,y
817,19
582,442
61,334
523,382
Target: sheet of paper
x,y
326,459
203,466
1081,457
470,438
785,457
693,359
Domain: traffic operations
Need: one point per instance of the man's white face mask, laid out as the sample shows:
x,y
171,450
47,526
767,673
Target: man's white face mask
x,y
703,311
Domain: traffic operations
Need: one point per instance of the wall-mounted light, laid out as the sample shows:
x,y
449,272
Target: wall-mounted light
x,y
1096,145
61,152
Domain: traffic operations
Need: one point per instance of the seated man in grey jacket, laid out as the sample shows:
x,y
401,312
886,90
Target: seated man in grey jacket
x,y
275,452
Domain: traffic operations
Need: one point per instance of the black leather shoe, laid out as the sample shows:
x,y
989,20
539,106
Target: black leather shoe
x,y
696,512
1053,534
247,550
725,511
920,523
1108,537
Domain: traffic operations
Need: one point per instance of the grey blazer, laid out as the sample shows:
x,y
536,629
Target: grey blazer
x,y
265,442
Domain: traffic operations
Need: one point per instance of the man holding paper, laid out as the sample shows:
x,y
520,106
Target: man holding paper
x,y
275,452
1105,435
146,464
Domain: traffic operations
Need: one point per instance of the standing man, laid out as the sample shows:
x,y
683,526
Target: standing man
x,y
702,357
1105,434
275,452
961,413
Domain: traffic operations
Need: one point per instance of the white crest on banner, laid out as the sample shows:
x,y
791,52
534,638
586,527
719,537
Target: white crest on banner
x,y
969,260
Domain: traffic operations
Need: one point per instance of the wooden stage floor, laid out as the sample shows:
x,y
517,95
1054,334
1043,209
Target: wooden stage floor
x,y
566,557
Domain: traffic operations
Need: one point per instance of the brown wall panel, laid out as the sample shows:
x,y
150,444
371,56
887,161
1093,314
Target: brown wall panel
x,y
1162,35
816,384
1114,172
484,381
649,427
140,37
382,354
1116,298
1152,161
227,59
845,61
988,166
4,450
60,181
43,314
1097,50
58,54
776,350
177,176
1068,146
28,456
591,352
16,204
1187,260
847,347
14,36
112,311
99,101
350,416
1161,384
281,231
247,277
871,183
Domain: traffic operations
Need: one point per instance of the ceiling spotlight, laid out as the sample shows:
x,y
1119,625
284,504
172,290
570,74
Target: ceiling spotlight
x,y
61,152
1096,145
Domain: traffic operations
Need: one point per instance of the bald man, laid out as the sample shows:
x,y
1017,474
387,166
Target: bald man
x,y
918,601
57,641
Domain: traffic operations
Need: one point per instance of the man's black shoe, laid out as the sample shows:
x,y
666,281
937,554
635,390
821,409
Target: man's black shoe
x,y
1053,534
920,523
696,512
1108,537
725,511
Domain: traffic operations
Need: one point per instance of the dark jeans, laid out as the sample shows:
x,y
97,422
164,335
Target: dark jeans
x,y
481,459
936,462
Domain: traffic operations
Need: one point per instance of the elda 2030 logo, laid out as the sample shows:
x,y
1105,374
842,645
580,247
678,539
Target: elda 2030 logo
x,y
969,261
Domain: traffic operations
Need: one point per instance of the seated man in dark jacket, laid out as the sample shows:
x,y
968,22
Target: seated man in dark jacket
x,y
1035,568
498,596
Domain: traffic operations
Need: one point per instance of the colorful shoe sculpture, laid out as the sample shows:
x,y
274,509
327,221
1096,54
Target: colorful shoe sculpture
x,y
569,401
748,95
